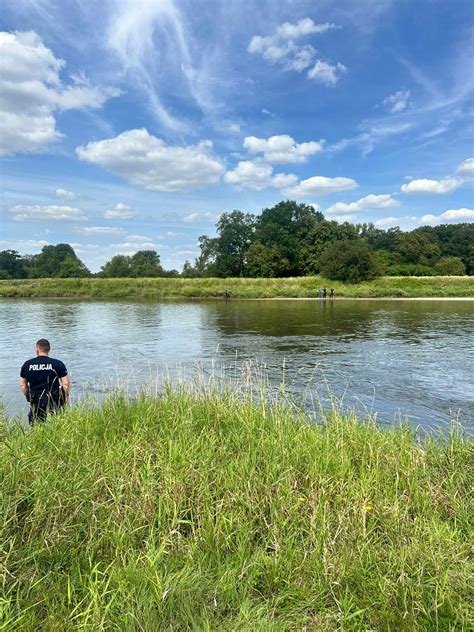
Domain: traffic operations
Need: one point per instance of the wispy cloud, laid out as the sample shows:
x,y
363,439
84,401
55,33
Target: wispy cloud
x,y
52,213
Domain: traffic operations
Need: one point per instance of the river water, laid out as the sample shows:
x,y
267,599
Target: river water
x,y
398,359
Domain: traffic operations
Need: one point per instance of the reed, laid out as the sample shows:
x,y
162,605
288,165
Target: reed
x,y
208,509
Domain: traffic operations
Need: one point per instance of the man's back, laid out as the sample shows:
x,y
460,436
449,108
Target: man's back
x,y
43,375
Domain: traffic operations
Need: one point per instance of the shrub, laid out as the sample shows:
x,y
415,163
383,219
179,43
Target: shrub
x,y
449,266
409,269
350,261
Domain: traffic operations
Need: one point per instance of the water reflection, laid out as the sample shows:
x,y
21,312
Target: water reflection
x,y
396,358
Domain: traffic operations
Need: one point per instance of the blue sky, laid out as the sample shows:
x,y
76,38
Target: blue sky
x,y
132,124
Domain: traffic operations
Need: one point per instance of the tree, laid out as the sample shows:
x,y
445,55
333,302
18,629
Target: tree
x,y
72,267
11,265
205,264
418,247
188,271
449,266
323,233
287,226
350,261
146,263
265,261
118,266
235,233
49,261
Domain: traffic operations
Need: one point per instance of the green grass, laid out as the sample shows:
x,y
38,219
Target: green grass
x,y
207,511
297,287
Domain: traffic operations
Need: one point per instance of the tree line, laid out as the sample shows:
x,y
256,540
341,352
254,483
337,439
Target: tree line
x,y
288,239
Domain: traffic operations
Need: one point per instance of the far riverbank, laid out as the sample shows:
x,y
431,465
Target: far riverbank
x,y
292,287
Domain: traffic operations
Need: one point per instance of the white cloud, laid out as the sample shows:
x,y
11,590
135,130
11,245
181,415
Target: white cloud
x,y
101,230
194,217
32,91
281,48
436,187
466,168
453,215
149,162
320,185
282,149
24,212
303,27
258,176
390,222
364,204
141,238
66,195
120,211
326,73
23,246
398,101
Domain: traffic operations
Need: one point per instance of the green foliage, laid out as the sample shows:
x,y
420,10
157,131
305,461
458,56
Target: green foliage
x,y
350,261
145,263
11,265
450,266
418,247
209,511
285,240
265,261
118,266
189,272
56,261
235,232
408,270
323,233
287,227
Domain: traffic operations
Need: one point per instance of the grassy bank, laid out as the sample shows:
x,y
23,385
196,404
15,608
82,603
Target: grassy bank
x,y
298,287
206,512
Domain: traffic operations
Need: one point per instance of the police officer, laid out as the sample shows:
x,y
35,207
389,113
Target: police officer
x,y
44,382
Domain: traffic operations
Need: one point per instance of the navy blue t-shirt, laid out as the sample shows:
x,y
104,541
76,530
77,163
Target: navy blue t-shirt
x,y
43,375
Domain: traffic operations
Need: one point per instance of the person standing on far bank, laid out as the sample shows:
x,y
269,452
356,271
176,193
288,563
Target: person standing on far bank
x,y
44,382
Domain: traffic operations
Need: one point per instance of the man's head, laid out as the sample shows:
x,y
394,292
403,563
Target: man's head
x,y
42,346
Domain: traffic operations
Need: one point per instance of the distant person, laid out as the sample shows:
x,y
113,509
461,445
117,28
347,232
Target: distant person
x,y
320,293
324,292
226,295
44,382
331,293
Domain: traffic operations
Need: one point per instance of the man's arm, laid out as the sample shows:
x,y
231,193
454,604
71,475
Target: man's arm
x,y
66,385
25,389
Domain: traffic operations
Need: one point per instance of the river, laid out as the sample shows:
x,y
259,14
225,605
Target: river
x,y
409,360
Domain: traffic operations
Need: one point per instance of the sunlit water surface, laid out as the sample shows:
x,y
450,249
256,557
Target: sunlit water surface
x,y
398,359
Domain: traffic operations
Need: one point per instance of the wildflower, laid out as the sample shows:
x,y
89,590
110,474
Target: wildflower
x,y
369,506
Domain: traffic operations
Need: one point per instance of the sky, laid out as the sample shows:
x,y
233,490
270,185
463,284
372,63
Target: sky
x,y
133,124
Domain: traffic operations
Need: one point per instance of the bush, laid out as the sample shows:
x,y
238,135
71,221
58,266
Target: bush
x,y
449,266
350,261
409,269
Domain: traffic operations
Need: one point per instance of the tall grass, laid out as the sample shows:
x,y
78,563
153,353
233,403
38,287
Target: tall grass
x,y
298,287
212,511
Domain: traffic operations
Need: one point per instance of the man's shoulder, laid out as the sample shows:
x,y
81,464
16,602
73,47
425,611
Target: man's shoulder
x,y
57,364
30,361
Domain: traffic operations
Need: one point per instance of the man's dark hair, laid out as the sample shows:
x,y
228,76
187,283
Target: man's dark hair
x,y
43,344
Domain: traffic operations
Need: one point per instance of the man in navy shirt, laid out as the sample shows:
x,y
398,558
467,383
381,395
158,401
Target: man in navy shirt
x,y
44,382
